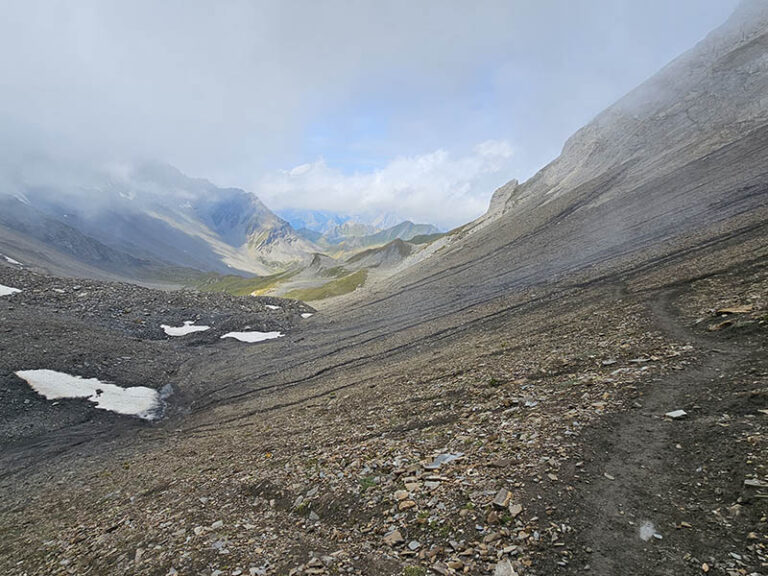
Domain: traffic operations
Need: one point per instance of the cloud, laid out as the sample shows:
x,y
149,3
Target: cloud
x,y
438,187
230,91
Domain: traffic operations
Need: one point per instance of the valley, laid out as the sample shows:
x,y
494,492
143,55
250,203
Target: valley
x,y
575,382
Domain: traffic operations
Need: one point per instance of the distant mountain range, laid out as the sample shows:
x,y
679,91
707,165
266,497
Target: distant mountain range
x,y
150,221
339,232
146,217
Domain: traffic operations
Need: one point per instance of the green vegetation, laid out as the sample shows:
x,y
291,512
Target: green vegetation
x,y
414,571
366,483
338,287
335,272
426,238
239,285
402,248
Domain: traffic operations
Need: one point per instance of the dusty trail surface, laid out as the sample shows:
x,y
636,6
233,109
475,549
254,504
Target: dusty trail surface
x,y
662,496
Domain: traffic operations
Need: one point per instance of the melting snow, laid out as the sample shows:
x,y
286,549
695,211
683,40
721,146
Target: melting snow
x,y
7,290
270,307
188,328
647,531
253,336
307,315
136,401
12,261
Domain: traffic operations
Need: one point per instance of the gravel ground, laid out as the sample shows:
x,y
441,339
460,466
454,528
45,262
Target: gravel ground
x,y
554,402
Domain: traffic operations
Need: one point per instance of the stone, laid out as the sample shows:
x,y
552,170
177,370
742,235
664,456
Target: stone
x,y
735,309
406,505
441,459
502,498
414,545
401,495
504,568
394,538
676,414
755,483
515,510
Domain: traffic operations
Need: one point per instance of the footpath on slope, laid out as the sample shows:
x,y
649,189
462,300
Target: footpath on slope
x,y
659,495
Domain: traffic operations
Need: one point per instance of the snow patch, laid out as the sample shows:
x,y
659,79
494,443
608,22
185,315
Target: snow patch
x,y
188,328
136,401
253,336
12,261
647,531
7,290
307,315
22,198
270,307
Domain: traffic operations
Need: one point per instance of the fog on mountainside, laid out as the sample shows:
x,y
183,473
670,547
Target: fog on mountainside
x,y
574,382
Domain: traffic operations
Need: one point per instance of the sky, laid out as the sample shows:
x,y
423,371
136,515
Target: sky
x,y
419,108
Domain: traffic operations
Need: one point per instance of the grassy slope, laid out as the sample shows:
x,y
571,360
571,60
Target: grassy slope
x,y
338,287
239,286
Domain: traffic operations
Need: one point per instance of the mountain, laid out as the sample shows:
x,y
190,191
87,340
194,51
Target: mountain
x,y
403,231
677,162
321,221
325,221
575,380
336,232
151,215
133,221
352,235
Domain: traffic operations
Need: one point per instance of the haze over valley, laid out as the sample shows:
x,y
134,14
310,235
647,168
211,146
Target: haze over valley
x,y
320,288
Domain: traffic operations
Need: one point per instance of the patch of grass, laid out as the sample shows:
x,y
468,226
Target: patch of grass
x,y
335,272
414,571
338,287
366,482
239,285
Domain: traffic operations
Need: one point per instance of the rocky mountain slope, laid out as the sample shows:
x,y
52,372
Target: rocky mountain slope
x,y
350,236
142,218
507,404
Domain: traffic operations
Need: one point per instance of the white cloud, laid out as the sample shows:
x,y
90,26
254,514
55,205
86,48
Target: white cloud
x,y
438,187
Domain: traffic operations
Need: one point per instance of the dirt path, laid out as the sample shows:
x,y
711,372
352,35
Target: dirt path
x,y
662,496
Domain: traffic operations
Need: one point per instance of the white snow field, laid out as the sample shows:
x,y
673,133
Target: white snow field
x,y
188,328
136,401
253,336
12,261
7,290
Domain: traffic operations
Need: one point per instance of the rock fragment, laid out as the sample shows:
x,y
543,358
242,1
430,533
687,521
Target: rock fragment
x,y
502,498
394,538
